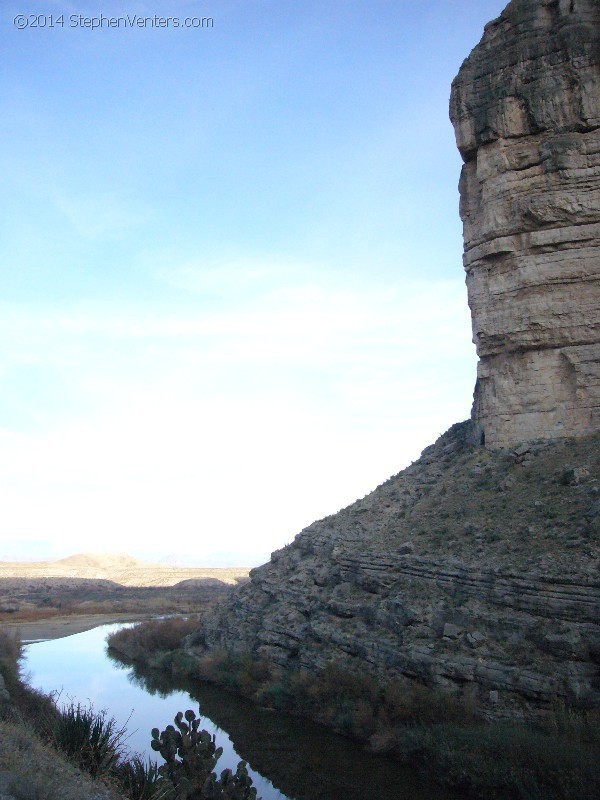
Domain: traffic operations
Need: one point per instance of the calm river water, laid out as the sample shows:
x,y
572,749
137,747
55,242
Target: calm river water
x,y
289,758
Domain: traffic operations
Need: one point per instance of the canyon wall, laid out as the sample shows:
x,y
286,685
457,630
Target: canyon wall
x,y
472,571
526,111
475,570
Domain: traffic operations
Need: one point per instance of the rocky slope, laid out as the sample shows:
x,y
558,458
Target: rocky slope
x,y
526,112
472,571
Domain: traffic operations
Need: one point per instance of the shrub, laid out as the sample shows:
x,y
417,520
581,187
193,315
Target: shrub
x,y
213,667
11,651
147,638
419,705
426,728
275,695
580,727
241,673
25,703
505,760
364,719
250,674
335,686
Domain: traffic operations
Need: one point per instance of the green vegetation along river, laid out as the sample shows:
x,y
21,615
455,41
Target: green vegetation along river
x,y
289,758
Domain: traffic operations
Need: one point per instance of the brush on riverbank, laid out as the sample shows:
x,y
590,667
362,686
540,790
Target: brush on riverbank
x,y
50,751
31,766
556,758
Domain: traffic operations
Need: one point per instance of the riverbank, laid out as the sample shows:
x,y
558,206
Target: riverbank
x,y
42,630
554,758
32,766
59,750
29,768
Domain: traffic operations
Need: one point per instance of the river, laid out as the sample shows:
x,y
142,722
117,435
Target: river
x,y
289,758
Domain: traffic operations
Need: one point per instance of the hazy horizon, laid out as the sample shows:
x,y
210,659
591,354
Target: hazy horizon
x,y
44,551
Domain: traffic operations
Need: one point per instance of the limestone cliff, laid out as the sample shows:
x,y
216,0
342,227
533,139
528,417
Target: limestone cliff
x,y
526,112
475,570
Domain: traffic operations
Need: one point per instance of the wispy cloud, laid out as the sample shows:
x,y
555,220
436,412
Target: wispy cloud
x,y
97,214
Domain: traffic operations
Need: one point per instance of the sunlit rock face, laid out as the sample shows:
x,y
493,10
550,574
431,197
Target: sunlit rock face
x,y
526,111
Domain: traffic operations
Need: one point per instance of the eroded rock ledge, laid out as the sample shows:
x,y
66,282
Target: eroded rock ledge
x,y
526,111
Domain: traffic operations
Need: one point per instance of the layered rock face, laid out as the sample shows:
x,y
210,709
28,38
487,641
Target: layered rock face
x,y
475,570
526,111
472,571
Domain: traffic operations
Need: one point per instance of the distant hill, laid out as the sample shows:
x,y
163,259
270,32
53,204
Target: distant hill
x,y
118,567
105,561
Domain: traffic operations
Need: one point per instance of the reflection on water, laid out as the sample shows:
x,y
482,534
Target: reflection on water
x,y
289,758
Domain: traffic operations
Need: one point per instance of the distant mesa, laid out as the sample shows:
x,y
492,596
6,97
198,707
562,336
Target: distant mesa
x,y
104,561
120,568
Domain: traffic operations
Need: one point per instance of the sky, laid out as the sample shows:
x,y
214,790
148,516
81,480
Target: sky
x,y
232,297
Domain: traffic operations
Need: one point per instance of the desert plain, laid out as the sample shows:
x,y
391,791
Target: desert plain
x,y
51,599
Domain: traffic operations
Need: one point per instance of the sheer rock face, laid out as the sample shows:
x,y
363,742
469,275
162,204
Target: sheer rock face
x,y
526,111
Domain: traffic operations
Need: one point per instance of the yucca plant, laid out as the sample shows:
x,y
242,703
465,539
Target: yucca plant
x,y
138,779
88,738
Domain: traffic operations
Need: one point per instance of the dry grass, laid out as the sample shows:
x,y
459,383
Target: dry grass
x,y
29,615
34,600
42,745
38,772
89,584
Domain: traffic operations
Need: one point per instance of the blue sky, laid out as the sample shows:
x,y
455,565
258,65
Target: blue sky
x,y
232,295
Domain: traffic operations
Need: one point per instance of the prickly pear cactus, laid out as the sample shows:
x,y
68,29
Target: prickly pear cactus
x,y
230,786
190,757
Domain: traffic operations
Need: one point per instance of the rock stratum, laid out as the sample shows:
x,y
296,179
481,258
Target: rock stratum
x,y
472,571
526,111
476,570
